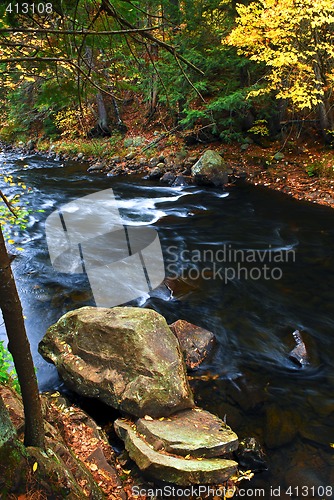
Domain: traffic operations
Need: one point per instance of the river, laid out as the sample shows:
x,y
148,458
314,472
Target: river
x,y
216,244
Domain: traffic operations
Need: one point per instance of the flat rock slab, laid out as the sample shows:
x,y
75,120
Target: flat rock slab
x,y
192,432
169,468
195,342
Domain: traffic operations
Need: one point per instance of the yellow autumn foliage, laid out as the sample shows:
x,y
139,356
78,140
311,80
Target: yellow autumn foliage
x,y
295,40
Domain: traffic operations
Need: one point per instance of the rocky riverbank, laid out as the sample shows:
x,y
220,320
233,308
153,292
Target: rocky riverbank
x,y
303,171
130,359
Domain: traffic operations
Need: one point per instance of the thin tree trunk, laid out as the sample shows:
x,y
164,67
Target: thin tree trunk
x,y
119,122
103,121
322,108
153,51
20,349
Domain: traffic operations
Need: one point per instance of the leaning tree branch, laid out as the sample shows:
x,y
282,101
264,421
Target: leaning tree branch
x,y
7,203
76,32
110,10
187,78
61,61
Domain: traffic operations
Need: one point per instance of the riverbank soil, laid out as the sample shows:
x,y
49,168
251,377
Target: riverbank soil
x,y
304,171
77,460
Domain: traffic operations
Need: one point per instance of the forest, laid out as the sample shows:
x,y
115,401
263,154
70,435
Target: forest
x,y
221,69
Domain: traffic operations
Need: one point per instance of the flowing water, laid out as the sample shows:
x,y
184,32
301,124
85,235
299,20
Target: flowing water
x,y
216,244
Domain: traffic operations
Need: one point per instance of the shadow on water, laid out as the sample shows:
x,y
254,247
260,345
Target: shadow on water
x,y
249,378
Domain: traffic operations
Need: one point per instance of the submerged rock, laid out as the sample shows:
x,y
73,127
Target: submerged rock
x,y
126,356
210,169
96,167
251,455
181,180
193,432
168,178
281,426
155,173
195,342
178,470
299,353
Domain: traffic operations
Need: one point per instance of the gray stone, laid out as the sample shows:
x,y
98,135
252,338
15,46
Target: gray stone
x,y
168,178
126,356
210,169
181,180
195,342
96,167
193,432
115,159
170,468
31,145
278,156
153,162
80,156
155,173
130,156
161,165
251,455
299,353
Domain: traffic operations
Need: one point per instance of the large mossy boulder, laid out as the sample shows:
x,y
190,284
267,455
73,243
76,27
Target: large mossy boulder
x,y
211,169
125,356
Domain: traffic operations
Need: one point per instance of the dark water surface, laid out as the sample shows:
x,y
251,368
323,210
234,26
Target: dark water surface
x,y
250,377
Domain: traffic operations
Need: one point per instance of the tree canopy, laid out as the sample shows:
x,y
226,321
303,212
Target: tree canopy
x,y
295,41
210,62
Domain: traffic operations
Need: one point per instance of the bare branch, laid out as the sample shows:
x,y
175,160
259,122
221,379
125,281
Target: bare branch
x,y
76,32
58,60
110,10
187,78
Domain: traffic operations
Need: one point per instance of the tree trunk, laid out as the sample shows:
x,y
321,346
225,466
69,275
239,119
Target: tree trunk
x,y
103,121
322,107
20,349
119,122
153,50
